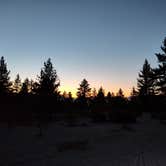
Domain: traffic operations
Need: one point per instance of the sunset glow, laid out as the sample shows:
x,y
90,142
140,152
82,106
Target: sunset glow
x,y
105,42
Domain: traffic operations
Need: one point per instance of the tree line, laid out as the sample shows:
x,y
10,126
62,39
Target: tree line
x,y
47,84
41,99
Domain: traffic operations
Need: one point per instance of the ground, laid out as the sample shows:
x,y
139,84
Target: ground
x,y
143,143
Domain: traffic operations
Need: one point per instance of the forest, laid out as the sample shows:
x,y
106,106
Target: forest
x,y
39,102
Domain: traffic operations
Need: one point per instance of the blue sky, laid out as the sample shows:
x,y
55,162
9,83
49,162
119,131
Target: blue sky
x,y
105,41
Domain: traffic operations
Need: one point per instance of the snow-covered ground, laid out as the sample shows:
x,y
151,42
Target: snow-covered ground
x,y
143,143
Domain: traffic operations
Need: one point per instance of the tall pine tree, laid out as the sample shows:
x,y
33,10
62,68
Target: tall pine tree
x,y
48,79
146,82
84,89
5,84
100,95
83,95
160,72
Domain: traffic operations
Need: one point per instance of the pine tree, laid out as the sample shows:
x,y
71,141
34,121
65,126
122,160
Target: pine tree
x,y
5,84
160,72
146,82
101,93
84,89
120,93
48,79
25,89
70,96
113,94
17,84
108,97
134,92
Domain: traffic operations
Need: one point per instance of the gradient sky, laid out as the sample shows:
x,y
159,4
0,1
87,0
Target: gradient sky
x,y
104,41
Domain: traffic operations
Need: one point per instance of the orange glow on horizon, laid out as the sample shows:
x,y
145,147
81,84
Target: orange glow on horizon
x,y
68,89
73,90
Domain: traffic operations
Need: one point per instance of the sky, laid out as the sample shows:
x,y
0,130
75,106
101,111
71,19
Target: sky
x,y
104,41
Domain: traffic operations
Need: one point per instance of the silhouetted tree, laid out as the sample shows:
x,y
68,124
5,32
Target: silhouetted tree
x,y
98,106
84,89
134,100
17,84
134,92
119,101
25,89
120,93
48,79
47,89
70,96
100,96
109,97
5,84
83,95
146,82
160,72
65,95
101,92
113,94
